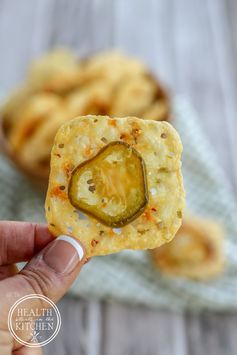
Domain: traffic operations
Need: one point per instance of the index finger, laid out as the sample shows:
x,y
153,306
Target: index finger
x,y
20,241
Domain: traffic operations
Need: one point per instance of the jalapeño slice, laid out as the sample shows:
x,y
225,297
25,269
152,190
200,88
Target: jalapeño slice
x,y
111,186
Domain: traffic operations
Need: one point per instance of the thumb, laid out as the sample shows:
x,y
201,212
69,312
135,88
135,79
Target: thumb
x,y
50,273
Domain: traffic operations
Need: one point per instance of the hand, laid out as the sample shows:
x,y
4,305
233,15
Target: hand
x,y
53,266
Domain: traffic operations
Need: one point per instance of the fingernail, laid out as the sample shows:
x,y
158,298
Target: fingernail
x,y
64,254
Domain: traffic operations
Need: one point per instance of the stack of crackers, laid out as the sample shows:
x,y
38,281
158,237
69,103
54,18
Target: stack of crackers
x,y
59,87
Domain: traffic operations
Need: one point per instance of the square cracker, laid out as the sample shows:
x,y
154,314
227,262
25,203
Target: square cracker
x,y
160,146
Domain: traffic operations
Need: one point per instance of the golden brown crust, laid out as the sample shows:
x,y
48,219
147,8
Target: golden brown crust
x,y
160,147
196,252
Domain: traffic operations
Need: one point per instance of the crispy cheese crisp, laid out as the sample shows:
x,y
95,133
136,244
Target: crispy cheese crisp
x,y
79,143
196,252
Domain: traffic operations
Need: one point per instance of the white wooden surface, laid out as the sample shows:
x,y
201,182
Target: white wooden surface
x,y
192,45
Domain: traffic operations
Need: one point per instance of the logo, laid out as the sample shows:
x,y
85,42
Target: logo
x,y
34,326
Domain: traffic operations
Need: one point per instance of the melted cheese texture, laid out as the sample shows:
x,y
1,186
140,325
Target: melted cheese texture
x,y
160,147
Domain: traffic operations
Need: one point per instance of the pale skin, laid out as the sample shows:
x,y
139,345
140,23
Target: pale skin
x,y
51,269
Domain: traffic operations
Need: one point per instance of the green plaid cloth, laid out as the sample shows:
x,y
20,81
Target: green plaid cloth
x,y
128,276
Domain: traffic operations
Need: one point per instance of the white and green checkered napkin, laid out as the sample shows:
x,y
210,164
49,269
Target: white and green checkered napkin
x,y
128,276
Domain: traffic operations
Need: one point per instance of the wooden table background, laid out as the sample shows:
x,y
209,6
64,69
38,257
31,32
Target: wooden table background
x,y
192,45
